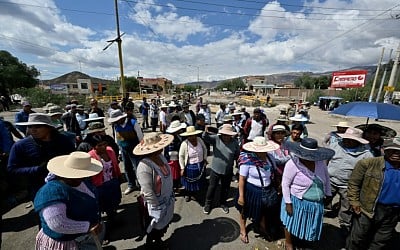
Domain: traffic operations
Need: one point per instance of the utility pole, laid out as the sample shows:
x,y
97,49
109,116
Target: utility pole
x,y
378,96
376,76
119,42
140,87
389,91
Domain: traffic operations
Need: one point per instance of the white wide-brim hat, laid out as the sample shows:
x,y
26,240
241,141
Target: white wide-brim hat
x,y
75,165
298,118
226,129
342,124
260,145
37,119
191,130
175,126
153,142
93,117
116,115
354,134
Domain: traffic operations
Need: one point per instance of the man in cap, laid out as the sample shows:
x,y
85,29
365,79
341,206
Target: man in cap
x,y
22,116
128,135
373,193
348,151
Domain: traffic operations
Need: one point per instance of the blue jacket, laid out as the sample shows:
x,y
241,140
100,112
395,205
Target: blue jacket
x,y
5,139
29,157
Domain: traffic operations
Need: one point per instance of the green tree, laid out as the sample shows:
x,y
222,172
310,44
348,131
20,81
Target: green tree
x,y
189,88
39,97
112,90
131,84
232,85
15,74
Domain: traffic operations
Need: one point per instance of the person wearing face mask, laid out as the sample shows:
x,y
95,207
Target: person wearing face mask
x,y
373,193
348,152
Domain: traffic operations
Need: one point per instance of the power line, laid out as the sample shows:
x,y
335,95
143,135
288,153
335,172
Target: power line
x,y
242,14
342,34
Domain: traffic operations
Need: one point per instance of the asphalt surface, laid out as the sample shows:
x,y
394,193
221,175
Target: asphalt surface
x,y
190,228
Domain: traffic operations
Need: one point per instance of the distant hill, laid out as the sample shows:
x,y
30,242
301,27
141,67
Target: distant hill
x,y
276,79
73,77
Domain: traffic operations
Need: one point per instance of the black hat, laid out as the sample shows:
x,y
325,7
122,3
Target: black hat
x,y
308,149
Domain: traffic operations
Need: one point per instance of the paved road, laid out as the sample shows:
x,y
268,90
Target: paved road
x,y
190,229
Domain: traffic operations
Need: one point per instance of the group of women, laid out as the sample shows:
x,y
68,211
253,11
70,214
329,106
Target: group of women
x,y
275,177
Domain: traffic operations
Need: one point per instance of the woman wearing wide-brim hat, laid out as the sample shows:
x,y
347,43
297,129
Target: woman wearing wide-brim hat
x,y
257,195
155,179
192,160
67,205
305,185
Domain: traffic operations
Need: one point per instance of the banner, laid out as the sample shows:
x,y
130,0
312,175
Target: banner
x,y
349,79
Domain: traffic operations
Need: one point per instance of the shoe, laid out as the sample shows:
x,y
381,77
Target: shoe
x,y
225,209
206,209
128,190
187,198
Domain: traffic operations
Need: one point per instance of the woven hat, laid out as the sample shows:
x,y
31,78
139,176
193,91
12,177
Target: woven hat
x,y
75,165
260,144
94,117
55,110
393,143
116,115
298,118
282,118
308,149
228,118
37,119
341,124
175,126
385,132
153,142
94,127
191,130
354,134
226,129
164,106
277,128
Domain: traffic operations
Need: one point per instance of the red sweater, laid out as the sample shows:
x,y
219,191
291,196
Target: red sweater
x,y
98,179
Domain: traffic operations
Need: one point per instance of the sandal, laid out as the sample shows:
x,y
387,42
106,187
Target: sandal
x,y
244,238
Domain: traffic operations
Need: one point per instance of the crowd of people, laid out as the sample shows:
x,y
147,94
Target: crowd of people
x,y
286,181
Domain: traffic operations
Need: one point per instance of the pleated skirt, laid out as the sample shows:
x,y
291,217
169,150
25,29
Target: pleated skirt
x,y
306,220
44,242
253,208
194,179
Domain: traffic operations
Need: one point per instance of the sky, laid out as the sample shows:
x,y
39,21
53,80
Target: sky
x,y
198,40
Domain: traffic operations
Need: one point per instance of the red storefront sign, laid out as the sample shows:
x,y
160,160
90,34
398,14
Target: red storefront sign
x,y
349,79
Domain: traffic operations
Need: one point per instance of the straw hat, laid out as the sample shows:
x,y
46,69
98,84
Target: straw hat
x,y
308,149
153,142
75,165
227,118
298,118
260,145
282,118
226,129
175,126
116,115
172,104
393,143
191,130
37,119
94,127
341,124
354,134
164,106
55,110
93,117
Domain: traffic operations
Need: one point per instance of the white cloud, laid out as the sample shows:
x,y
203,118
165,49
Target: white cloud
x,y
309,40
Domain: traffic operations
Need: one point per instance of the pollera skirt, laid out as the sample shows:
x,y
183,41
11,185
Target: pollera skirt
x,y
253,206
306,221
109,195
194,177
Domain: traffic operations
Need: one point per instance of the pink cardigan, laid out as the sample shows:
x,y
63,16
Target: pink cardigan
x,y
98,180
